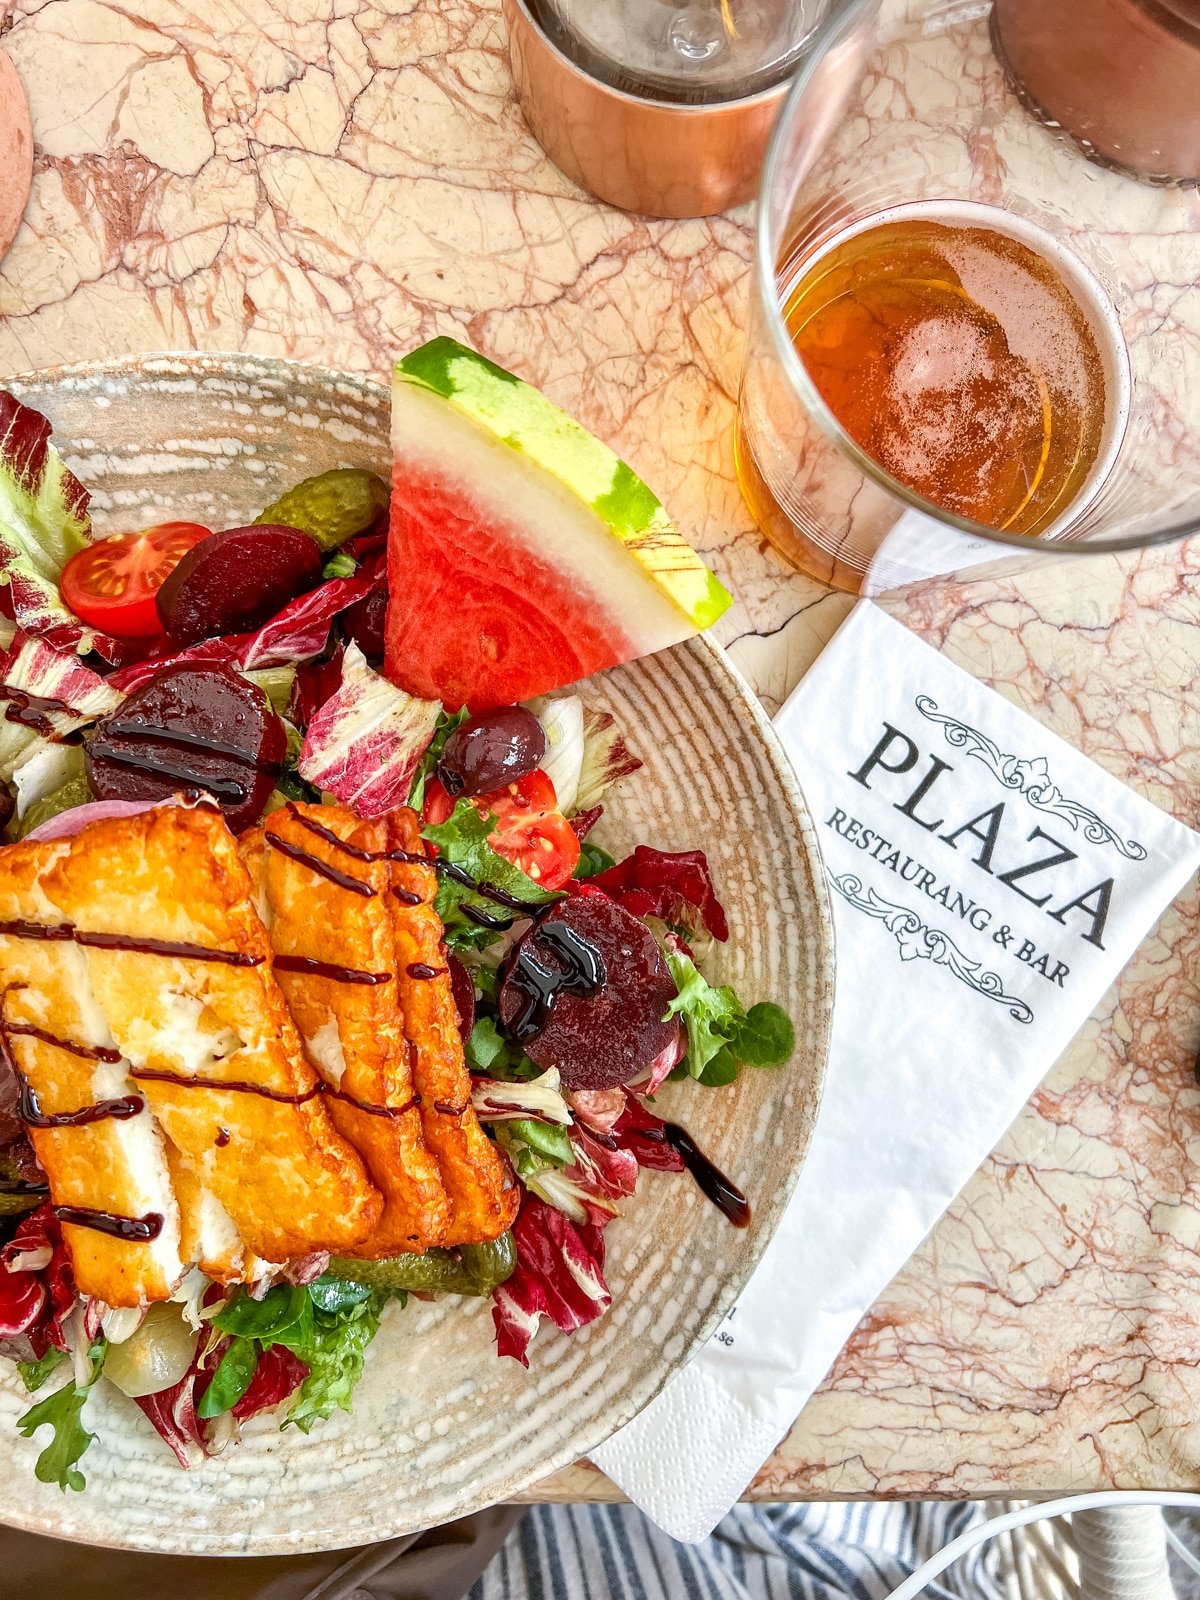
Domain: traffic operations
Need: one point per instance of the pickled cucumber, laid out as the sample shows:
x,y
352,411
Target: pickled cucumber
x,y
17,1194
470,1269
75,791
332,507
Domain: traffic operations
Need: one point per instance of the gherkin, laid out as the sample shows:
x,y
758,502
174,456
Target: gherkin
x,y
332,507
469,1269
73,791
17,1194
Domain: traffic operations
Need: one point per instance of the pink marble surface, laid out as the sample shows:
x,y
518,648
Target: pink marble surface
x,y
337,180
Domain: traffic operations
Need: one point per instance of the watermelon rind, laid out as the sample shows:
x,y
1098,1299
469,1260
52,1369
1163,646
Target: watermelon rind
x,y
521,418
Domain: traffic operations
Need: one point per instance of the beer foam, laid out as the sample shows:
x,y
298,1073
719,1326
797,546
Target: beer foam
x,y
1037,321
938,410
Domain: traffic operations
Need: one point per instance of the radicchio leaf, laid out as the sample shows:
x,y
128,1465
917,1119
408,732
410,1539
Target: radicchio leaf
x,y
364,744
674,885
559,1274
35,669
278,1374
314,683
608,1170
301,630
210,652
23,1299
641,1133
173,1414
664,1063
43,522
541,1097
597,1109
606,758
37,1234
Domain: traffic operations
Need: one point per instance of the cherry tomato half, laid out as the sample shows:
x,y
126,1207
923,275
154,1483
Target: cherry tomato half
x,y
112,583
530,831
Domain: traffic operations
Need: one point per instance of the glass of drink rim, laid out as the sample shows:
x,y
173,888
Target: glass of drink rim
x,y
912,110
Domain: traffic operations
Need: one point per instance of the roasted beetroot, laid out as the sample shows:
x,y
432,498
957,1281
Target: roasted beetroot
x,y
204,728
462,986
233,582
364,621
597,1037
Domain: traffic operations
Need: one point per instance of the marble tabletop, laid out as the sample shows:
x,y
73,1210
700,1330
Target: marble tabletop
x,y
337,180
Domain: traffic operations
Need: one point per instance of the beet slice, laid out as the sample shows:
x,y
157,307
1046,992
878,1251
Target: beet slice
x,y
203,727
233,582
462,986
364,622
608,1037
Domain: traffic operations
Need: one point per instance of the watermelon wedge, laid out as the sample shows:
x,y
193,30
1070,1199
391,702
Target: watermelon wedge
x,y
523,554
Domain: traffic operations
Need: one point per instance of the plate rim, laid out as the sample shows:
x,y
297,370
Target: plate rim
x,y
243,365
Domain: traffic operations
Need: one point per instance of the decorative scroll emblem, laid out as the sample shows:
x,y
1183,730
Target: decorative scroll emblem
x,y
1030,779
919,942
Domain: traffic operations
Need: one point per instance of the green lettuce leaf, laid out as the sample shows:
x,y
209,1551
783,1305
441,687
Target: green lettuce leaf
x,y
463,840
334,1354
711,1015
283,1316
444,726
230,1381
722,1035
63,1412
592,859
34,1373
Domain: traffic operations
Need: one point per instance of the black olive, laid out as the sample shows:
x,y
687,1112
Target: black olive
x,y
491,751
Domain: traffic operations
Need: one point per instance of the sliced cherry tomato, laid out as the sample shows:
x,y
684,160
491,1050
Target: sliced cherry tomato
x,y
112,583
530,831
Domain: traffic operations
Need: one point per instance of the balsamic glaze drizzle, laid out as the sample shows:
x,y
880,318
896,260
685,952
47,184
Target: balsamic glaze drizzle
x,y
460,875
580,971
322,868
422,970
89,1052
223,788
181,739
19,929
34,711
137,1230
120,1109
328,969
280,1096
710,1180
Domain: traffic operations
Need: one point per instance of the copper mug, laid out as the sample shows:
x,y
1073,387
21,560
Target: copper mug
x,y
658,107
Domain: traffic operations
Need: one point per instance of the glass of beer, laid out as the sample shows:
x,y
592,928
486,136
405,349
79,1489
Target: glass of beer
x,y
975,326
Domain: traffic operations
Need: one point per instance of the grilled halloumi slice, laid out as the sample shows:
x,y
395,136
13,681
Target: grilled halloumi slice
x,y
113,1165
206,1029
483,1192
351,1030
209,1238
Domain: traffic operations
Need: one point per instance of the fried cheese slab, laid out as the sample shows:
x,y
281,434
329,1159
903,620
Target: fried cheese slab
x,y
211,1015
351,1030
115,1165
209,1238
483,1192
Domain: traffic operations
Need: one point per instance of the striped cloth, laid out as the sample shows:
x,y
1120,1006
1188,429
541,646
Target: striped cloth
x,y
771,1552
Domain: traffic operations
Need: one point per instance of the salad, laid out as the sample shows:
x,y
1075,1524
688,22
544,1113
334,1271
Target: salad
x,y
317,990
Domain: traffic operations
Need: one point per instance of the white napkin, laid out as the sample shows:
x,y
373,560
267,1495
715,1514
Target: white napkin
x,y
963,969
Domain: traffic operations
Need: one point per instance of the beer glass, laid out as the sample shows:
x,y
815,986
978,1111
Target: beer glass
x,y
911,114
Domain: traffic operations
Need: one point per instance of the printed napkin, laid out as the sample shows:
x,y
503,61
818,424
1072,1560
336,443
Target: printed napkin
x,y
988,884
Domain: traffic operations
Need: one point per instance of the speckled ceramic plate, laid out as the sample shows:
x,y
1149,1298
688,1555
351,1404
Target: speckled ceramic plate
x,y
441,1427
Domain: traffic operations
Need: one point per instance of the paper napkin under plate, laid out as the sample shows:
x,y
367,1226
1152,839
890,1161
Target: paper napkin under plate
x,y
988,885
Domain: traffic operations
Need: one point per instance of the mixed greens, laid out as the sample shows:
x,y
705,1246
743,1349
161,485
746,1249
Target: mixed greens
x,y
508,798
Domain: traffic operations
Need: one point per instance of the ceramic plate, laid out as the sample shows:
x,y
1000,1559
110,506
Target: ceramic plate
x,y
441,1427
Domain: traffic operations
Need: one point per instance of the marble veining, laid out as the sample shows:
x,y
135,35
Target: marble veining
x,y
336,180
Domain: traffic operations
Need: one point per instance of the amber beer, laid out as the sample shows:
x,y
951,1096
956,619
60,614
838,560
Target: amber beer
x,y
960,360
